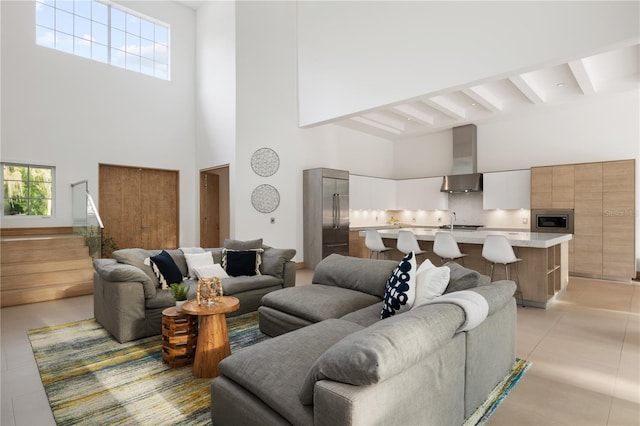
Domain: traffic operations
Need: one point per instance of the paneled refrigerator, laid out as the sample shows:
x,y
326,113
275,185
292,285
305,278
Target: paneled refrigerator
x,y
326,214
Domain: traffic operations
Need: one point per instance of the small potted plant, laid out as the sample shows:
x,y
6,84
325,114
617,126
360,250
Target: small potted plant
x,y
180,291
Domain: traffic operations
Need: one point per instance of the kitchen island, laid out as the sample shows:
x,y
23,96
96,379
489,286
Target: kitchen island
x,y
543,272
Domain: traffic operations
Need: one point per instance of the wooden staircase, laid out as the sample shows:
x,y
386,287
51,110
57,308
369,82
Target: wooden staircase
x,y
35,267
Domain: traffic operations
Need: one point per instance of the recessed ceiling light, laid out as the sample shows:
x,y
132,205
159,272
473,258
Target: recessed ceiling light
x,y
473,104
560,84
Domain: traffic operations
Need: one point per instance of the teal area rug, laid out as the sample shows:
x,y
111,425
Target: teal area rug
x,y
92,379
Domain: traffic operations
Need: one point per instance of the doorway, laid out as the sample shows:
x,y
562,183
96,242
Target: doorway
x,y
139,206
214,206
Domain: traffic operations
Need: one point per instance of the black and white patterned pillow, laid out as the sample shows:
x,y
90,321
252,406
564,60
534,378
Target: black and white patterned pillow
x,y
400,291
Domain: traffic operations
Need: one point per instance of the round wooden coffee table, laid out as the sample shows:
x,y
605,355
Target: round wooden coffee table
x,y
213,339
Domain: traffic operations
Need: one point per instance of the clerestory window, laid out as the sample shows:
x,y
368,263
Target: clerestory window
x,y
28,189
106,33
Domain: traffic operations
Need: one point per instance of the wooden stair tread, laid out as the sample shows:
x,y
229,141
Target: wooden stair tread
x,y
44,293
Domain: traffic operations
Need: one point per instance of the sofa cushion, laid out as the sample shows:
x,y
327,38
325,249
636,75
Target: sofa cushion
x,y
400,291
216,252
165,269
164,298
365,316
273,260
195,260
271,372
364,275
462,278
317,302
233,285
385,348
242,262
136,257
242,245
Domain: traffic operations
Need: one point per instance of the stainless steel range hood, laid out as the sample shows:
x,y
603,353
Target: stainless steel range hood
x,y
465,177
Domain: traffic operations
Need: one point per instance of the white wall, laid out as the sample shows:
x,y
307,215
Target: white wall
x,y
359,55
247,99
74,113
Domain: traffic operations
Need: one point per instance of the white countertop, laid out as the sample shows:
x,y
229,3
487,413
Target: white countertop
x,y
517,239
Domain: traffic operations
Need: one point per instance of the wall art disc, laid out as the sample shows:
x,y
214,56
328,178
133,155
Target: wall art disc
x,y
265,198
265,162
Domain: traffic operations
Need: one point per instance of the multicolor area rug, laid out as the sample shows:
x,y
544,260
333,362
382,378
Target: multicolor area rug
x,y
92,379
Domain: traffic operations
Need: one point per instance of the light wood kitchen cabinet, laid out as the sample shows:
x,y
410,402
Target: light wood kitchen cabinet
x,y
507,190
618,227
562,187
541,187
357,248
602,195
421,194
587,247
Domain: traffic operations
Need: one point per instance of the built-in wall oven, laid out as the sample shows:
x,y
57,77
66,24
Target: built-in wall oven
x,y
552,220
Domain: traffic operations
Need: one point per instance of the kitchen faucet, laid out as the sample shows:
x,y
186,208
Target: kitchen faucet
x,y
453,219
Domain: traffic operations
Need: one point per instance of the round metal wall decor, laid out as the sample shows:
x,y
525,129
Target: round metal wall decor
x,y
265,198
265,162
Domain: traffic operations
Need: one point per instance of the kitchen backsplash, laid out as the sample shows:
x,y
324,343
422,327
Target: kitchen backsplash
x,y
468,209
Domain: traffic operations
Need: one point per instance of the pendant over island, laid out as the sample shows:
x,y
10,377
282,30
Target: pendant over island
x,y
543,272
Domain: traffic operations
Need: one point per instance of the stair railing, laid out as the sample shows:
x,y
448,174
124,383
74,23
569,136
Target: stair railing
x,y
86,219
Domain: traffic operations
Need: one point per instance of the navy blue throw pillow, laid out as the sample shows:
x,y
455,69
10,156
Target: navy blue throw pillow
x,y
242,262
165,269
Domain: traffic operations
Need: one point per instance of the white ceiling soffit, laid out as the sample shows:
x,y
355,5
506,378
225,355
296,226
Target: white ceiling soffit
x,y
605,73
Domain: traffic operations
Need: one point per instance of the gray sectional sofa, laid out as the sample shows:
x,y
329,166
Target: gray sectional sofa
x,y
335,362
128,301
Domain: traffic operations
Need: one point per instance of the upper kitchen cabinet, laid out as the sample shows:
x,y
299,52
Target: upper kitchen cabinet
x,y
507,190
371,193
552,187
421,194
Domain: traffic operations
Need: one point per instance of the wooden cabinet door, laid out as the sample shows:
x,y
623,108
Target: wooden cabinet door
x,y
139,207
541,187
587,236
562,187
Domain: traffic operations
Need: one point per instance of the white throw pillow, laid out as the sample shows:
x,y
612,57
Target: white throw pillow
x,y
210,271
195,260
432,281
400,291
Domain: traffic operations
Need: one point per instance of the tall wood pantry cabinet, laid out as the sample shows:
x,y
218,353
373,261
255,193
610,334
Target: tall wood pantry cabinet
x,y
602,195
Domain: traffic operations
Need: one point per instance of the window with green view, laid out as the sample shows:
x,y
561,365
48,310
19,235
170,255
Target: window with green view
x,y
28,190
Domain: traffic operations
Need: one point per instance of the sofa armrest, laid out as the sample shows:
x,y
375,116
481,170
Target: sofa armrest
x,y
497,294
428,384
111,270
119,306
289,274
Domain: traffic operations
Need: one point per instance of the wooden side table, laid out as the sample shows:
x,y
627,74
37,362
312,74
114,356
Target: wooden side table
x,y
213,338
179,334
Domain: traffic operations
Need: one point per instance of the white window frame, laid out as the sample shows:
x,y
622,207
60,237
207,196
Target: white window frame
x,y
30,166
145,49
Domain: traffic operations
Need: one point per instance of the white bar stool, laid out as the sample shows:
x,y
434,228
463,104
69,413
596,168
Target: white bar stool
x,y
446,246
408,243
374,243
498,249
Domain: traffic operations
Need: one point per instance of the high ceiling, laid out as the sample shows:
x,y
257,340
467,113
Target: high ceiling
x,y
505,97
579,80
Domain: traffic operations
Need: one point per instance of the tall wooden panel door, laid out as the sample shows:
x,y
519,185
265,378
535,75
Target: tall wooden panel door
x,y
159,208
619,219
587,237
139,207
209,209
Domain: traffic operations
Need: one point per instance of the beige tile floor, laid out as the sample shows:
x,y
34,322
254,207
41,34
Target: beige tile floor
x,y
585,351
